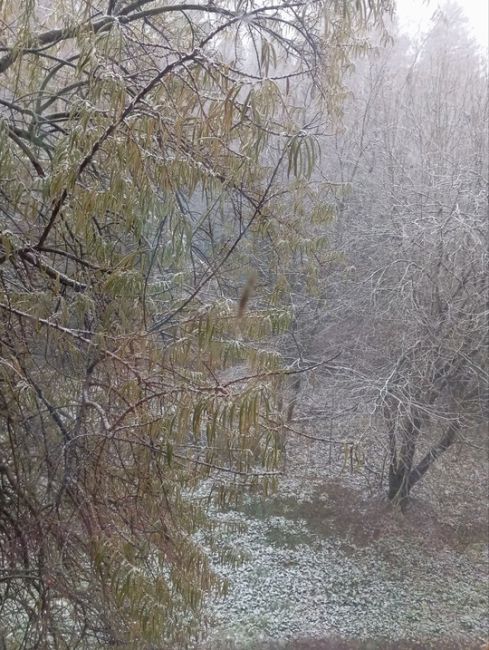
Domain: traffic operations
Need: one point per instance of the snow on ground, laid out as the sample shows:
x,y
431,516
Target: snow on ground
x,y
324,558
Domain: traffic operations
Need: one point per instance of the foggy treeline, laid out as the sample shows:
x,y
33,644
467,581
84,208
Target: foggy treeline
x,y
405,303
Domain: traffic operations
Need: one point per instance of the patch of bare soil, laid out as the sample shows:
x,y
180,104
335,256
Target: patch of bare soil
x,y
373,518
338,510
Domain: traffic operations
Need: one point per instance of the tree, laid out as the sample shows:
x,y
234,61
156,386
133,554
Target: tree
x,y
440,380
147,150
413,308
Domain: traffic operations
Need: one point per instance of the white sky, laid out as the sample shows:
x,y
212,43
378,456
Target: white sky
x,y
414,16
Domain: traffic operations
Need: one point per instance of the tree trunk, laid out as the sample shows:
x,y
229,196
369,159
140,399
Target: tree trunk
x,y
446,441
402,475
401,461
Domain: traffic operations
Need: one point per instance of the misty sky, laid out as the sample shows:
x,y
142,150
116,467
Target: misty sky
x,y
414,15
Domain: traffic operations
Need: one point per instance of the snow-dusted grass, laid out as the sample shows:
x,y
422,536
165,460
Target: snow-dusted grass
x,y
298,585
324,559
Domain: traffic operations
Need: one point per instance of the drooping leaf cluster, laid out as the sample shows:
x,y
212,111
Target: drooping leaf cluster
x,y
151,159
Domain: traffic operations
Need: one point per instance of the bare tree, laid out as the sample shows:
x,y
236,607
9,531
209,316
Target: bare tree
x,y
409,305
